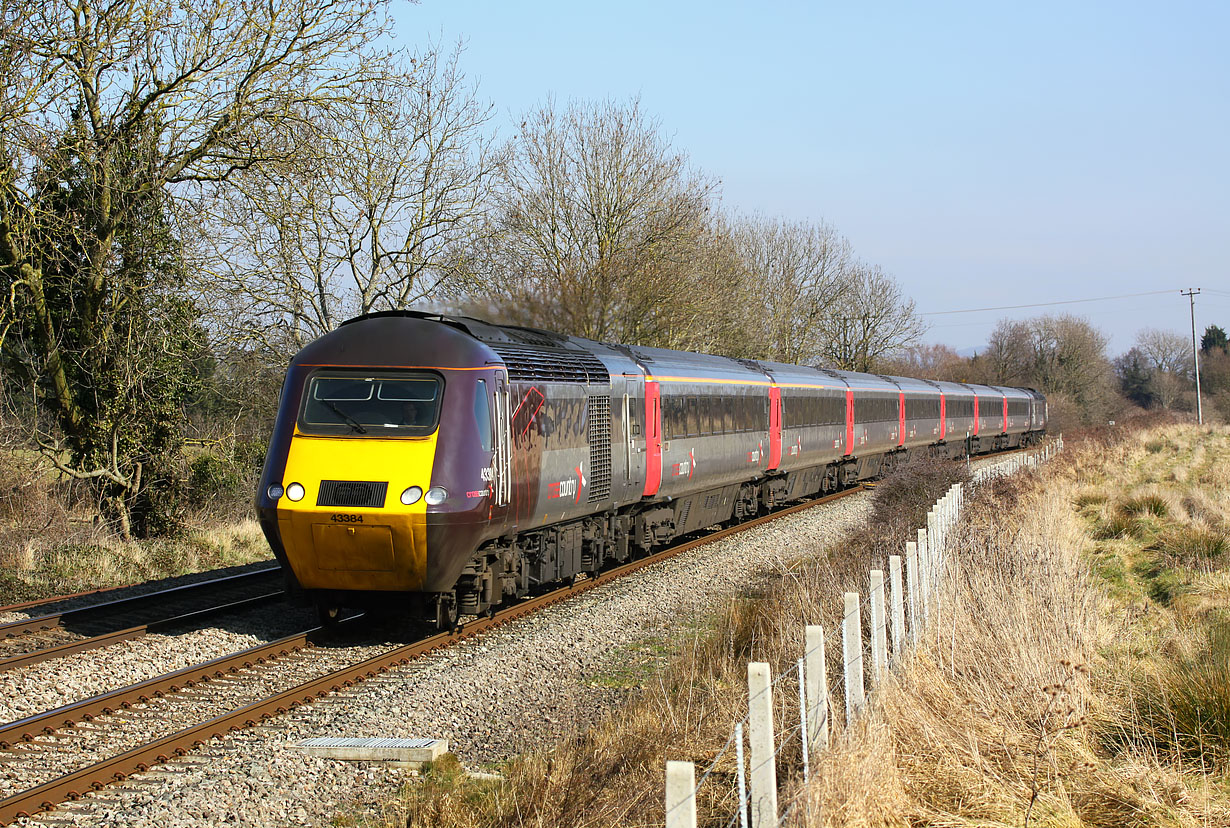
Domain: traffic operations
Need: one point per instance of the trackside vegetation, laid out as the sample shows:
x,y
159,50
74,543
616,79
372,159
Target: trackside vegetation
x,y
1079,676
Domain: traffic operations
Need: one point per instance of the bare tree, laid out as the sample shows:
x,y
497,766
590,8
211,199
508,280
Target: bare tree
x,y
873,320
1063,356
1169,358
936,362
596,218
802,272
369,215
110,114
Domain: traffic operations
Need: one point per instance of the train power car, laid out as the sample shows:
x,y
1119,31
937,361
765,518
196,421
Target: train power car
x,y
441,465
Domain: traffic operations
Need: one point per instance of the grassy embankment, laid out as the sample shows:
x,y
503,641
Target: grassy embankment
x,y
51,542
1080,674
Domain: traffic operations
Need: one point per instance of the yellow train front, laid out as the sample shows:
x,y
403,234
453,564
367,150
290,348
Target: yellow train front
x,y
355,500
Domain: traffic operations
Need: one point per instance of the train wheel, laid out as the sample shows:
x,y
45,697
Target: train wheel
x,y
446,612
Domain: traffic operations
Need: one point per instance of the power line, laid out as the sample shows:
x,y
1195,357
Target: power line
x,y
1047,304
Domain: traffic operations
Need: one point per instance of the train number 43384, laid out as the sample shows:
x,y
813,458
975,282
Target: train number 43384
x,y
346,518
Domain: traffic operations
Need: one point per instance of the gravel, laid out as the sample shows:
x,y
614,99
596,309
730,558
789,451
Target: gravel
x,y
491,697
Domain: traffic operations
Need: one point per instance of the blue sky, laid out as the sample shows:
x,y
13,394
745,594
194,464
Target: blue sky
x,y
985,154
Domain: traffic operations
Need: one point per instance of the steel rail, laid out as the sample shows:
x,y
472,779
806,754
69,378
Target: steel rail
x,y
117,768
107,639
50,621
25,730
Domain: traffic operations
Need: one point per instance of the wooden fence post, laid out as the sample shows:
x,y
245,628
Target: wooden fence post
x,y
680,795
852,656
817,690
879,628
760,739
898,607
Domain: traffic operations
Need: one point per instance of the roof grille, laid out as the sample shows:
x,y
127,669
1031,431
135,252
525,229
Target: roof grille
x,y
551,365
352,493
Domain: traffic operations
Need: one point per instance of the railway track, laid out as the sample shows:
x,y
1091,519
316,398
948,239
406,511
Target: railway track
x,y
55,635
233,693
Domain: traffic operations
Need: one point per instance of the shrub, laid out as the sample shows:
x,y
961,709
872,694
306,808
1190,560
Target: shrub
x,y
1192,546
1182,710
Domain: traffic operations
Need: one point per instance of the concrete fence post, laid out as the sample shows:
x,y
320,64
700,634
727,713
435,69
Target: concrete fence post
x,y
742,774
852,656
924,570
897,601
879,628
913,579
760,740
817,690
680,795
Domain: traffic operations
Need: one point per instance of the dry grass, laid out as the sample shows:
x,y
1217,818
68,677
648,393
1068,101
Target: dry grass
x,y
1076,676
52,541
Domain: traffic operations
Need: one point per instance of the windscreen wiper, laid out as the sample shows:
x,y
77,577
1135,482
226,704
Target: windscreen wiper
x,y
350,421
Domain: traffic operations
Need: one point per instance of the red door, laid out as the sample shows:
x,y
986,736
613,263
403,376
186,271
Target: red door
x,y
1005,415
975,415
943,416
849,422
653,438
775,427
901,418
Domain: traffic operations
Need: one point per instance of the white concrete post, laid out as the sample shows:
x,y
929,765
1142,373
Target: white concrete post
x,y
852,656
925,576
897,599
680,795
913,578
803,721
817,690
760,739
742,775
879,628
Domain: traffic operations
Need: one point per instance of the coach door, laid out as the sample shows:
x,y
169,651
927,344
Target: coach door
x,y
503,443
632,417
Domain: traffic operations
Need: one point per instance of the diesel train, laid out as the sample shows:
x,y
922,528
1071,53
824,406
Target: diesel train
x,y
441,465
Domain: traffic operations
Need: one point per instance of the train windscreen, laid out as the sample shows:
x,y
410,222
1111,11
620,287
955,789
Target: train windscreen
x,y
401,405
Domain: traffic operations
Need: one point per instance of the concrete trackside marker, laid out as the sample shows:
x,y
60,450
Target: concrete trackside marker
x,y
408,752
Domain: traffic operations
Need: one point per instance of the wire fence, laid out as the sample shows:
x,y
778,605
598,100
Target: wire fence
x,y
909,605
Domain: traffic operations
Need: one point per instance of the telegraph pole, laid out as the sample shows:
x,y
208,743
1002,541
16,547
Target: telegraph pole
x,y
1191,294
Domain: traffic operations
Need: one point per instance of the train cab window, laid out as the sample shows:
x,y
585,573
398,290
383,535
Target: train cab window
x,y
373,406
482,415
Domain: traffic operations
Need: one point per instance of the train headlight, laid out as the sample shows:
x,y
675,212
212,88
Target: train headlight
x,y
411,496
436,495
274,491
295,491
